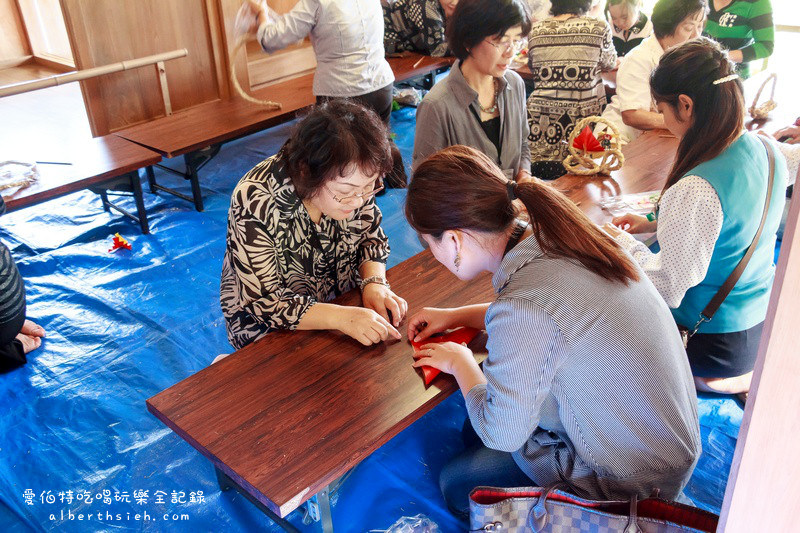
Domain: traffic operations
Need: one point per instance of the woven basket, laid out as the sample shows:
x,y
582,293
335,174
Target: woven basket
x,y
584,162
760,112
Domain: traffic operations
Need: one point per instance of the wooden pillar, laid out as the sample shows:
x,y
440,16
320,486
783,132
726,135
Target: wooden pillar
x,y
764,482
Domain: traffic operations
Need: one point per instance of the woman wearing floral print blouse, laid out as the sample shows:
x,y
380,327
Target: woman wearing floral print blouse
x,y
303,228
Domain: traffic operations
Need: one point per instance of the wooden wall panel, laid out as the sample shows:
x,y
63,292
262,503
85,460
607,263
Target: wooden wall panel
x,y
763,488
295,60
47,33
13,39
109,31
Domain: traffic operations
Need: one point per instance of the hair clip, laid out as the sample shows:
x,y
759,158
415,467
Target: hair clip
x,y
726,78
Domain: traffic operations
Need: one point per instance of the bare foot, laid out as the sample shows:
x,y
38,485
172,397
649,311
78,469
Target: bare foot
x,y
29,343
32,329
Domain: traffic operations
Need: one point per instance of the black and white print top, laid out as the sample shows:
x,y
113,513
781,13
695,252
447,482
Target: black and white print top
x,y
414,25
278,262
627,40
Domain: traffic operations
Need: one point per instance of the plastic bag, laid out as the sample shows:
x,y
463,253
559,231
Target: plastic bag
x,y
412,524
640,204
408,96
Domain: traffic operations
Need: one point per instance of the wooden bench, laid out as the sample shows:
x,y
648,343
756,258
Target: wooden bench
x,y
99,164
283,418
197,133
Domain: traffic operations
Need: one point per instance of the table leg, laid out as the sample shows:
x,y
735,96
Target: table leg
x,y
193,161
121,186
323,497
151,179
138,197
226,483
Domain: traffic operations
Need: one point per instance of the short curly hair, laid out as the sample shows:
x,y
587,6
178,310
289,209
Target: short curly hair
x,y
333,138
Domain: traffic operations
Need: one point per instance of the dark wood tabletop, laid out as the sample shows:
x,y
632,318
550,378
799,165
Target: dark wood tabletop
x,y
407,65
72,166
290,413
648,160
224,120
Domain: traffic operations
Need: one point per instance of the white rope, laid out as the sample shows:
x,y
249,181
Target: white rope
x,y
270,105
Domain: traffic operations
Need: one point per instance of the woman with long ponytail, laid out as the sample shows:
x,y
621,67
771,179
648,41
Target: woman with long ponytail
x,y
574,320
709,212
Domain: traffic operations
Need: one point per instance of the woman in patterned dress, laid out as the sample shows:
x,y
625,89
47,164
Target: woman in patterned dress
x,y
303,228
566,54
416,25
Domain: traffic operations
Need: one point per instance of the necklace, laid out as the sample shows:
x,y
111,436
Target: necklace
x,y
491,110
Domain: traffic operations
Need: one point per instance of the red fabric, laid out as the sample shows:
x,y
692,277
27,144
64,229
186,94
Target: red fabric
x,y
587,141
458,335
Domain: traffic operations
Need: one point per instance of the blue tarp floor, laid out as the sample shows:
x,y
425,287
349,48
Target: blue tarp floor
x,y
77,438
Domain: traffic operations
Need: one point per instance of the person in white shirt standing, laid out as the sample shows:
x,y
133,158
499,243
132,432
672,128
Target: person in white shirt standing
x,y
347,37
632,109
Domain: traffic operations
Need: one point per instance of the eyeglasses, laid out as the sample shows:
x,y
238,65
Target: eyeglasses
x,y
509,46
376,188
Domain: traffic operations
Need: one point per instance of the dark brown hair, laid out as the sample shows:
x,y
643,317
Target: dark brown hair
x,y
573,7
461,188
718,117
668,14
333,138
475,20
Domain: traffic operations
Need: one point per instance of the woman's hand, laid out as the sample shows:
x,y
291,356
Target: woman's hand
x,y
447,357
258,10
365,325
792,133
634,223
382,300
429,321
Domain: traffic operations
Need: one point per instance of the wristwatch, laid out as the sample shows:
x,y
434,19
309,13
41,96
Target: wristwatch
x,y
380,280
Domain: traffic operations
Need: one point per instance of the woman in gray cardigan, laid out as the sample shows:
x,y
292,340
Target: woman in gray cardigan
x,y
480,103
586,381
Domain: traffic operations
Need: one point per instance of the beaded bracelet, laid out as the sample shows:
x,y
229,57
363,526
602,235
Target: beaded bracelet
x,y
380,280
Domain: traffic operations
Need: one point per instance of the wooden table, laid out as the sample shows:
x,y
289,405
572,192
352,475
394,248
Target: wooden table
x,y
284,417
287,415
78,165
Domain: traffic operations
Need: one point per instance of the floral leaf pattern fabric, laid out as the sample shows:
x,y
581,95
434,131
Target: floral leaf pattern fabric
x,y
278,262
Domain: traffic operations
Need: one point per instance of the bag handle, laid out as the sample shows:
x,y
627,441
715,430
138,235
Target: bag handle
x,y
713,306
633,523
537,516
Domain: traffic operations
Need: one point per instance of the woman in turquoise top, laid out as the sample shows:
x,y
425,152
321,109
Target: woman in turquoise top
x,y
709,211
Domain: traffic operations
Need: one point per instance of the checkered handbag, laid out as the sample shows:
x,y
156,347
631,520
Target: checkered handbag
x,y
538,510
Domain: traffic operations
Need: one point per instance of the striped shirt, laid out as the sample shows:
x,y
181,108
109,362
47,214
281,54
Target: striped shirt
x,y
587,380
744,25
12,288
